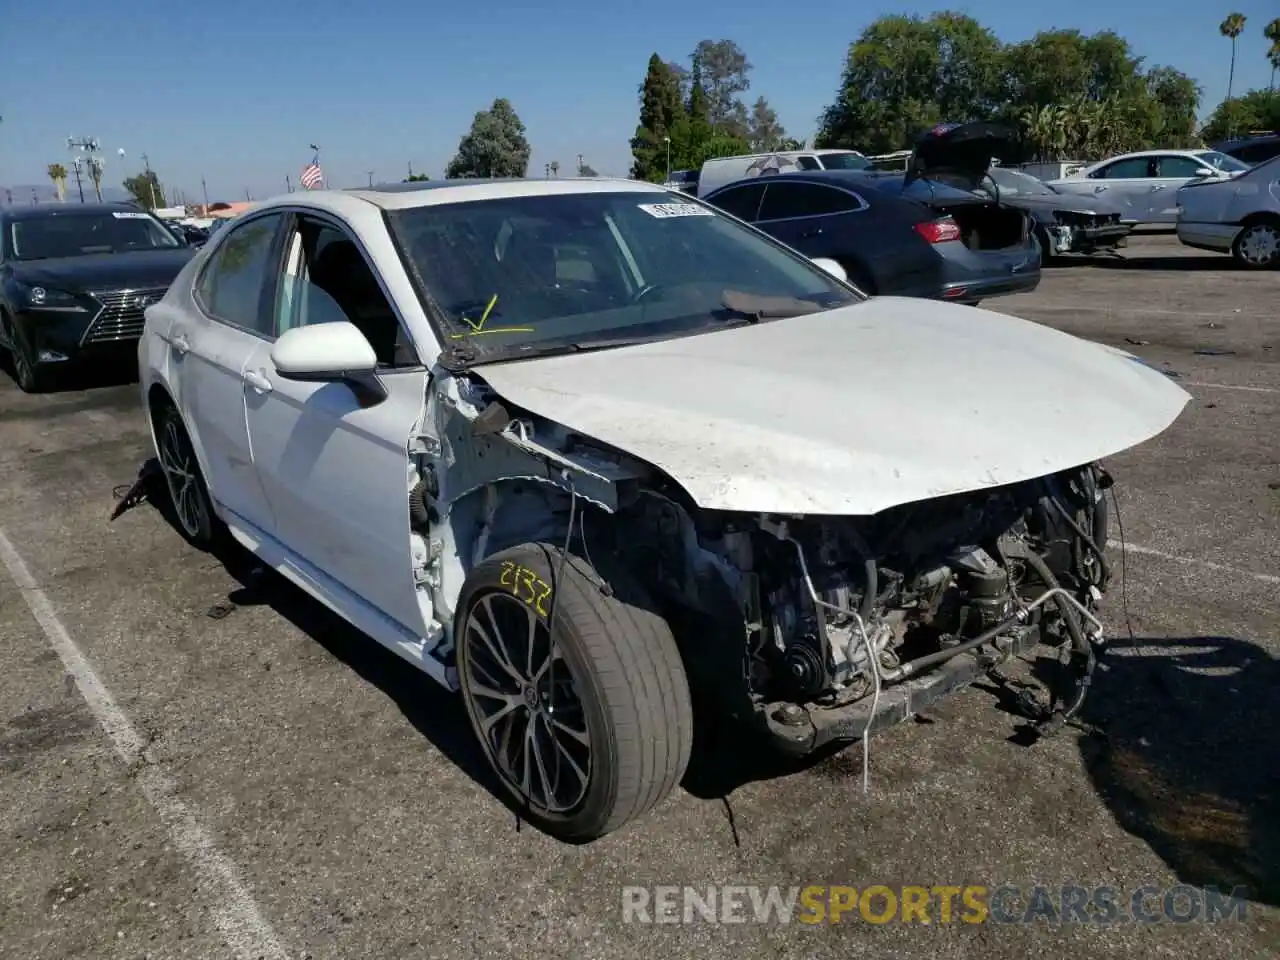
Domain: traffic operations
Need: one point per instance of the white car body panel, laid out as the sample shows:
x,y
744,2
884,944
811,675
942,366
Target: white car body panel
x,y
1144,199
856,410
844,412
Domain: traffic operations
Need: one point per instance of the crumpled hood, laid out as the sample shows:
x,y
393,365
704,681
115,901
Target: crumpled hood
x,y
855,410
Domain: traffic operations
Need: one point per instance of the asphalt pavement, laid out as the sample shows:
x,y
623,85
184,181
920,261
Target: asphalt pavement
x,y
195,763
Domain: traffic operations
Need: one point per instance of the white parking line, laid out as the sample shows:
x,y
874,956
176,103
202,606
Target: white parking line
x,y
1229,386
1208,564
237,917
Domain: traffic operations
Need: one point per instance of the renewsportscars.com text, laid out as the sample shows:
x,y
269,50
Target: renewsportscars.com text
x,y
935,904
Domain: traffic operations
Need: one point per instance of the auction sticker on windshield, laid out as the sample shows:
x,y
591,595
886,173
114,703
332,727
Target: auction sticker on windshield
x,y
129,215
675,210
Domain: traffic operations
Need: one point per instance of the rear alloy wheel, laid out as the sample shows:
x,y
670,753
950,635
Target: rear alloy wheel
x,y
587,733
192,507
1258,246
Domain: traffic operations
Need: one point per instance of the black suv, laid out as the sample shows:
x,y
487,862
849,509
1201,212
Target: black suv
x,y
75,279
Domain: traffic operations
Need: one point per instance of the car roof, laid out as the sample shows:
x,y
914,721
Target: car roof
x,y
426,193
38,210
836,178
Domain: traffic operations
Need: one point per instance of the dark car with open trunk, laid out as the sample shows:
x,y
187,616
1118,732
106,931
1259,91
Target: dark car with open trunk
x,y
925,233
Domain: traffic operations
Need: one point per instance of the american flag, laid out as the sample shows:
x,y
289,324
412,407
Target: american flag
x,y
312,176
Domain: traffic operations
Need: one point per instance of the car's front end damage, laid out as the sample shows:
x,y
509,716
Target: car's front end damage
x,y
836,580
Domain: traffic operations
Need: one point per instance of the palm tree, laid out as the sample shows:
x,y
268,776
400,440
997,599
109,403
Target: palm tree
x,y
1272,32
1232,27
58,174
555,168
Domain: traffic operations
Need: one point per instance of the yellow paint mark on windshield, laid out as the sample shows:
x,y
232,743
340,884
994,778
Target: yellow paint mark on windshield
x,y
478,328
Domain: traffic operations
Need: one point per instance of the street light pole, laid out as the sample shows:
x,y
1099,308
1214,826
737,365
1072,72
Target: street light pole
x,y
667,140
370,172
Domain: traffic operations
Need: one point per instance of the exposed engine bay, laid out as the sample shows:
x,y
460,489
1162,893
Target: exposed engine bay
x,y
836,609
828,626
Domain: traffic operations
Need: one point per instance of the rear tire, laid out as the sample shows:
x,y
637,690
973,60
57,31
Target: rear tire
x,y
1257,247
188,492
609,720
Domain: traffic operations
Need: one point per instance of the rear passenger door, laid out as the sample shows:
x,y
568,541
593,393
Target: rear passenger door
x,y
742,201
813,218
1127,182
1173,171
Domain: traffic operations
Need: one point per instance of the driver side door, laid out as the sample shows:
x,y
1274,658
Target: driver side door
x,y
335,463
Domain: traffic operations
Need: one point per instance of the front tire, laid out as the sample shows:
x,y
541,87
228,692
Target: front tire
x,y
26,371
188,492
596,735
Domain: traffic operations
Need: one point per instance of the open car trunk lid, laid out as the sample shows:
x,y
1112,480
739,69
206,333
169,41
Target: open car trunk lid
x,y
959,154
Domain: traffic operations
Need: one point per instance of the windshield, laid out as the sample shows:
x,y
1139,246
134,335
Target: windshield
x,y
1014,183
1222,161
80,234
843,161
523,273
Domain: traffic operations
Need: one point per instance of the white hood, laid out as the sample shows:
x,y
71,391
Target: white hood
x,y
855,410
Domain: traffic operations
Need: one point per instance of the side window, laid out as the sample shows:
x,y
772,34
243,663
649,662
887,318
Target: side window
x,y
808,163
1173,166
327,279
741,202
783,201
1132,168
237,276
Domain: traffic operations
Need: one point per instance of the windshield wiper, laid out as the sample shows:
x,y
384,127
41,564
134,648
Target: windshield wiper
x,y
755,307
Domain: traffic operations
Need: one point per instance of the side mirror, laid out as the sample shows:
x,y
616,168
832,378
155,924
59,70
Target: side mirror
x,y
831,267
324,352
1207,172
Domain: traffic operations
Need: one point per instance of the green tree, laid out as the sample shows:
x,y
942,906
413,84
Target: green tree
x,y
495,146
661,110
765,133
415,178
146,190
1255,110
723,69
1272,32
586,170
1231,28
904,74
58,174
1173,100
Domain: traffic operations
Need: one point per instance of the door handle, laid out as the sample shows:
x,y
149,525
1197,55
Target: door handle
x,y
258,380
180,342
1158,186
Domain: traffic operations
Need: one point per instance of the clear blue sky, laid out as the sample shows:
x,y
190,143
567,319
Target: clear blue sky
x,y
235,90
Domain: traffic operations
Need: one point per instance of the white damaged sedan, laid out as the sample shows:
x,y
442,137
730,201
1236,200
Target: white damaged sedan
x,y
590,452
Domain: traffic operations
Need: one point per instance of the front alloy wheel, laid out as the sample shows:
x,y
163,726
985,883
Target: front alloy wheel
x,y
588,732
528,711
29,376
1258,245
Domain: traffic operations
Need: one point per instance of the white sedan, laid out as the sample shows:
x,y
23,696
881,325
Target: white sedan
x,y
1145,184
591,452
